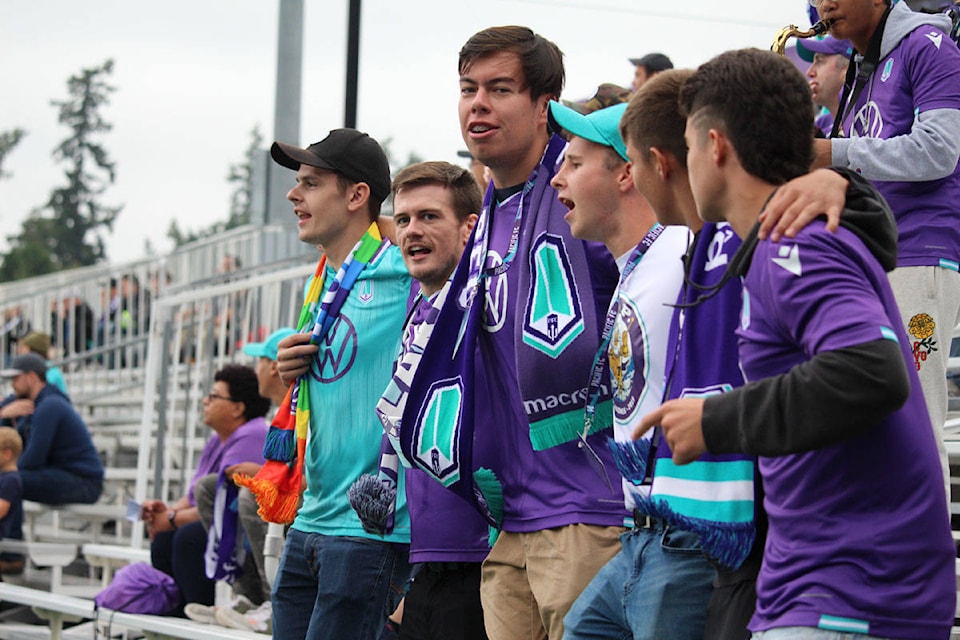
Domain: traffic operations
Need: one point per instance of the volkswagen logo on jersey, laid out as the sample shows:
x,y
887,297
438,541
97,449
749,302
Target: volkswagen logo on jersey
x,y
338,351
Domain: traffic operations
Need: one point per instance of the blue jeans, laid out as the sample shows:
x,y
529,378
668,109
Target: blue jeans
x,y
336,587
179,554
809,633
50,485
657,586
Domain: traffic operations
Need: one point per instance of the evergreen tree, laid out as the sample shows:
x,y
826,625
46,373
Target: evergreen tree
x,y
66,231
241,175
9,140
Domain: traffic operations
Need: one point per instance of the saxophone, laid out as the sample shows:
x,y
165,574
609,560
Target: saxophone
x,y
790,31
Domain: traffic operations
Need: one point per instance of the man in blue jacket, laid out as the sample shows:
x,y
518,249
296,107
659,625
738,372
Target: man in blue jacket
x,y
59,463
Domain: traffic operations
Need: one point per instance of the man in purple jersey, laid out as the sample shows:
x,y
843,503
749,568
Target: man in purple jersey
x,y
842,436
544,296
899,117
705,320
706,317
434,210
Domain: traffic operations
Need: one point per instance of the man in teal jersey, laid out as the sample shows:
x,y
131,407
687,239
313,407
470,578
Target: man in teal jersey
x,y
349,580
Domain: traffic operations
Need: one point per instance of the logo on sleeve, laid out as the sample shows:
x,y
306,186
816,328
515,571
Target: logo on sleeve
x,y
887,70
789,259
936,38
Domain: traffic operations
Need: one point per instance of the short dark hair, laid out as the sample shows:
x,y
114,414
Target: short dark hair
x,y
373,205
242,382
540,59
653,117
464,191
762,103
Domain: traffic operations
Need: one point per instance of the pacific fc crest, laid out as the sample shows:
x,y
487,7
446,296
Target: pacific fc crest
x,y
921,328
553,317
365,293
436,432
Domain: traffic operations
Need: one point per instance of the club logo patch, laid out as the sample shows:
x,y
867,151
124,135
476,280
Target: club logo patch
x,y
921,328
887,70
629,362
436,434
553,317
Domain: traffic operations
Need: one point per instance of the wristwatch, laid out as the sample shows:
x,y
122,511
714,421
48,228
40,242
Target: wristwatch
x,y
172,519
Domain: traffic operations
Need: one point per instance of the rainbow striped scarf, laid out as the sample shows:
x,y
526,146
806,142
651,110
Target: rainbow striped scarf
x,y
278,484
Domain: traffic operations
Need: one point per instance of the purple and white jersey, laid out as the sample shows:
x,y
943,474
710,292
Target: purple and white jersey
x,y
541,489
443,526
859,537
918,75
638,342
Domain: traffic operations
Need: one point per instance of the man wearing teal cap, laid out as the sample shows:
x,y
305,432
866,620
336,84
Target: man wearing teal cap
x,y
271,386
634,595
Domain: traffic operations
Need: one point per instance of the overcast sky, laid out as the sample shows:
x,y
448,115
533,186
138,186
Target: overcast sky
x,y
194,77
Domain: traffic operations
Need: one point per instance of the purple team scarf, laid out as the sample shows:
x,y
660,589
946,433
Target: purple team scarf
x,y
225,553
568,285
428,409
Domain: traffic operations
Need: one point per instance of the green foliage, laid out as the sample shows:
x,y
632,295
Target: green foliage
x,y
66,231
9,140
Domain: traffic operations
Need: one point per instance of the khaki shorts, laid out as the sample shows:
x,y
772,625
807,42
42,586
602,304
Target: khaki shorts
x,y
530,580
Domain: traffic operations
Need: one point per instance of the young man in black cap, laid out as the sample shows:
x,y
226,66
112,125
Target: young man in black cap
x,y
348,579
647,67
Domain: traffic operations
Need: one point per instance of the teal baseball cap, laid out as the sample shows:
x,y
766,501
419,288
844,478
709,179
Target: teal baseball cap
x,y
268,348
601,126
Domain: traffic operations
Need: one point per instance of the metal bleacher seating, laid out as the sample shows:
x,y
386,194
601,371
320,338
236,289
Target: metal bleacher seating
x,y
139,388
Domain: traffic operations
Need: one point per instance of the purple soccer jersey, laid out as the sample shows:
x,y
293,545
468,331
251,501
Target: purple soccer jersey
x,y
859,537
244,445
920,74
556,486
443,526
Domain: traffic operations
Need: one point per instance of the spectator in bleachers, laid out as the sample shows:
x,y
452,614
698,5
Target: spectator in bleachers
x,y
15,326
73,322
59,464
39,343
126,316
648,66
11,497
234,410
251,602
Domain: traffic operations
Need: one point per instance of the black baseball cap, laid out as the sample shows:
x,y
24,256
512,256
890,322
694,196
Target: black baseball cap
x,y
653,62
349,152
25,363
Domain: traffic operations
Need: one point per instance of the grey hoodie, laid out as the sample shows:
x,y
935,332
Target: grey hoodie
x,y
932,148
